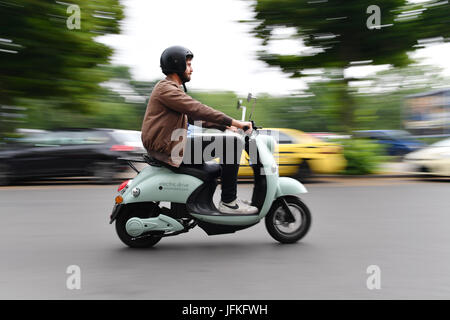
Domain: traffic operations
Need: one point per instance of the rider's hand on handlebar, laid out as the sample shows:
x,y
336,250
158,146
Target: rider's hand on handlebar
x,y
244,125
232,128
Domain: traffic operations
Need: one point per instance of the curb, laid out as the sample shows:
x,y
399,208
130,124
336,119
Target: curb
x,y
370,176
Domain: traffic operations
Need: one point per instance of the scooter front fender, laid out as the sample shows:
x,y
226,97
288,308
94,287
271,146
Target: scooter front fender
x,y
289,187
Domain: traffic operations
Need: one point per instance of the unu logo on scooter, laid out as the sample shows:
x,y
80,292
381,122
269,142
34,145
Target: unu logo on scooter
x,y
174,186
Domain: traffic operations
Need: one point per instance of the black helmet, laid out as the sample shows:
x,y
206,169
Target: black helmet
x,y
173,60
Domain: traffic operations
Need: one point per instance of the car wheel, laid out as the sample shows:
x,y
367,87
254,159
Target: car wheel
x,y
304,172
104,172
5,175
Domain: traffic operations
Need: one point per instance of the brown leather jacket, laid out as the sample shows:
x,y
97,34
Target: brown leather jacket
x,y
168,109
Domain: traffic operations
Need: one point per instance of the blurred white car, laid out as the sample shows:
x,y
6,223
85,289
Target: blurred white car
x,y
434,159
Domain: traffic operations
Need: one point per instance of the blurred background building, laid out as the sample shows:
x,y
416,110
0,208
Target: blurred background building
x,y
428,113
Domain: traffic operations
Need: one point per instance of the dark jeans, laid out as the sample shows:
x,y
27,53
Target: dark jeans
x,y
228,149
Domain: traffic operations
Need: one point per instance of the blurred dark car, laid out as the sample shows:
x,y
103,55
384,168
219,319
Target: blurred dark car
x,y
68,153
397,142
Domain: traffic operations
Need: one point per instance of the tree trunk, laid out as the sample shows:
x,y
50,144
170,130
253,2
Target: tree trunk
x,y
346,105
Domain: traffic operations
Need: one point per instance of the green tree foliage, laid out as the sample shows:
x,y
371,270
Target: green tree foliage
x,y
223,101
380,101
45,58
336,36
298,112
363,156
119,103
41,58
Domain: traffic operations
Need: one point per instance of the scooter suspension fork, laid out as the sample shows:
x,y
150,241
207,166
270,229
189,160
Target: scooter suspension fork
x,y
288,216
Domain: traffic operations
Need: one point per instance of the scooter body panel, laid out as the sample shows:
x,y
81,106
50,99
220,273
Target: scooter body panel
x,y
231,220
266,145
160,184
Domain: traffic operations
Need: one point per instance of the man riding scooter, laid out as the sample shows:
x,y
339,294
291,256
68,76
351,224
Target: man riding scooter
x,y
170,108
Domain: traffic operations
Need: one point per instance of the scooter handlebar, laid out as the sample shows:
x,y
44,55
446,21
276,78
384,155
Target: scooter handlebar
x,y
253,126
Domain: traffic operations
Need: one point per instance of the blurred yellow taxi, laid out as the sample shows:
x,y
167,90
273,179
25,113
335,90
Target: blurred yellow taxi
x,y
300,155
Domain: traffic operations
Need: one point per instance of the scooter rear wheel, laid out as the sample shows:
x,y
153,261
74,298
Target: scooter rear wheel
x,y
144,241
286,231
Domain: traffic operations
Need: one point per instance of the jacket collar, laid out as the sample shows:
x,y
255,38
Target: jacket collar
x,y
171,81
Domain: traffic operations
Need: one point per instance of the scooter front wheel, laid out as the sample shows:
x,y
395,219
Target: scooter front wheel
x,y
281,227
144,241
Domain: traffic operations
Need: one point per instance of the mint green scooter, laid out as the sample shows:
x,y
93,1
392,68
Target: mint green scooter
x,y
141,221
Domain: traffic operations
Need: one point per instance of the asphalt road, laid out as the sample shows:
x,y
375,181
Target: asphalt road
x,y
400,225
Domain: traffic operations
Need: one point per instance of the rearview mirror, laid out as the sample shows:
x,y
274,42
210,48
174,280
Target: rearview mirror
x,y
239,104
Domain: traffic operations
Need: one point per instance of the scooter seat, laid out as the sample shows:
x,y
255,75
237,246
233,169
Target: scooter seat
x,y
206,171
